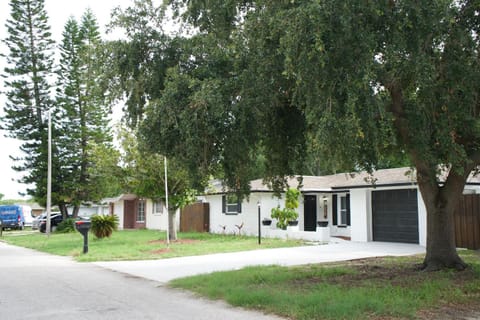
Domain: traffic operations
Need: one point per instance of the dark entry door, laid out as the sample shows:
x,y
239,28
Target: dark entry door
x,y
310,213
395,215
129,214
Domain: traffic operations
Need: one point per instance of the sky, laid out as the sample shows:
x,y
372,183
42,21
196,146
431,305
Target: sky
x,y
58,12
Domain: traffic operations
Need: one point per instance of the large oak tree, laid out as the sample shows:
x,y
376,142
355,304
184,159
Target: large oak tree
x,y
349,83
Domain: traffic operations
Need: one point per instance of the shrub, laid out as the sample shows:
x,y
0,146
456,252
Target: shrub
x,y
66,226
103,226
289,213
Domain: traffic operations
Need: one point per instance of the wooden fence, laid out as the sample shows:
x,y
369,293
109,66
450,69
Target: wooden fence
x,y
195,217
467,222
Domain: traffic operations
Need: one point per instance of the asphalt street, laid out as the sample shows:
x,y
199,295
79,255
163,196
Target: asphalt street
x,y
40,286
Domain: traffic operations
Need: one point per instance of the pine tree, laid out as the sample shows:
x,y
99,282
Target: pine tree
x,y
80,96
27,75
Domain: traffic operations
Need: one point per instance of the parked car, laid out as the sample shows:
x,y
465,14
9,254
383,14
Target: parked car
x,y
43,216
55,219
12,216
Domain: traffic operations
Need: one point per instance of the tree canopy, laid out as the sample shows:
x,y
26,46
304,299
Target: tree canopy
x,y
348,84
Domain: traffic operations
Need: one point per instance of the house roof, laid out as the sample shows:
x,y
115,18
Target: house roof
x,y
123,196
328,183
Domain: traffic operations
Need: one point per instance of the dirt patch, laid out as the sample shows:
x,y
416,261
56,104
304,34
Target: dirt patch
x,y
451,312
160,251
164,250
178,241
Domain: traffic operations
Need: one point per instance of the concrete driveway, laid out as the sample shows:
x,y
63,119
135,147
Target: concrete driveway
x,y
165,270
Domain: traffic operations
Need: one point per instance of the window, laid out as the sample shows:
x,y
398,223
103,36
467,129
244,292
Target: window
x,y
141,211
158,207
231,204
341,210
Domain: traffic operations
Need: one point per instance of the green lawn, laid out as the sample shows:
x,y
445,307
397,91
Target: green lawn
x,y
388,288
139,244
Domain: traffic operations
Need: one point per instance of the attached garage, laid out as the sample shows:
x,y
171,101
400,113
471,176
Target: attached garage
x,y
395,215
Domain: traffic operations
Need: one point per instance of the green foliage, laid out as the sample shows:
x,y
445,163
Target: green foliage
x,y
139,65
66,226
104,225
29,62
289,212
82,106
78,114
144,173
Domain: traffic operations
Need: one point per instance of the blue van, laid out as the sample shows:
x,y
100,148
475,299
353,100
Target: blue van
x,y
12,217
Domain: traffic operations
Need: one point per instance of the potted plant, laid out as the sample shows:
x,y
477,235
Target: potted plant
x,y
288,214
266,222
322,224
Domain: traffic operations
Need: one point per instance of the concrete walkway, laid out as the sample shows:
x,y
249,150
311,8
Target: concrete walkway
x,y
168,269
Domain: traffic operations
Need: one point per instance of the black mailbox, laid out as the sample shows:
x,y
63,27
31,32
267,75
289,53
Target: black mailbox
x,y
83,226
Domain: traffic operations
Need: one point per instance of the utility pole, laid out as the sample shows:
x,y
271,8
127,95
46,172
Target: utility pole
x,y
166,201
49,175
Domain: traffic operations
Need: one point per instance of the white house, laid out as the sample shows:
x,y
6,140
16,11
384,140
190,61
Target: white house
x,y
134,212
385,206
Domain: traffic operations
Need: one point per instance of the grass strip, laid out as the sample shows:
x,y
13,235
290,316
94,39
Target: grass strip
x,y
379,288
140,244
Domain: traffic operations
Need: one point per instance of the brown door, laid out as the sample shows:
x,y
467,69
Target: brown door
x,y
129,214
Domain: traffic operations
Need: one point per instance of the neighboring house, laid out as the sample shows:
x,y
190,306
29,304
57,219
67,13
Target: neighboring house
x,y
36,208
90,209
386,206
137,213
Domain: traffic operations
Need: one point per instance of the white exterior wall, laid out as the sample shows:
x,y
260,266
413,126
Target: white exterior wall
x,y
359,217
118,211
248,216
361,228
159,221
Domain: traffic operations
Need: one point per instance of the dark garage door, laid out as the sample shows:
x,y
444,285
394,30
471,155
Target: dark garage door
x,y
395,215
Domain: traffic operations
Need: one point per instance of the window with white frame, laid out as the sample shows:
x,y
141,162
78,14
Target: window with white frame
x,y
158,207
141,211
341,210
231,204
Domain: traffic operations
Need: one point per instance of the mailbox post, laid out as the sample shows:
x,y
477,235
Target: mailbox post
x,y
83,227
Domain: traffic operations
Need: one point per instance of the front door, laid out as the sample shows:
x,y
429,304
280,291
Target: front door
x,y
310,213
129,214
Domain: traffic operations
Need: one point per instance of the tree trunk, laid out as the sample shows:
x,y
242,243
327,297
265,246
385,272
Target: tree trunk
x,y
172,230
440,203
63,210
75,211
